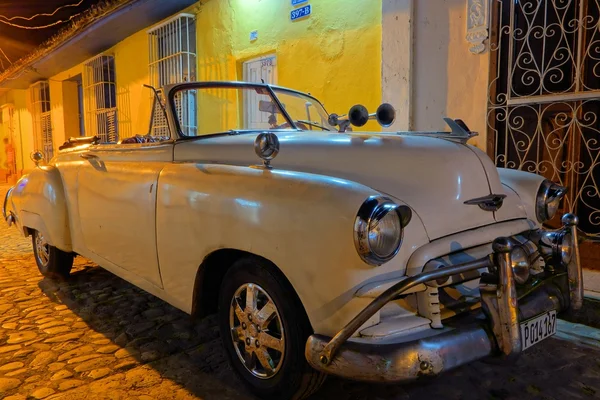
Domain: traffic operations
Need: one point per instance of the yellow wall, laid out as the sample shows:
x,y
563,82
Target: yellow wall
x,y
23,129
133,100
335,53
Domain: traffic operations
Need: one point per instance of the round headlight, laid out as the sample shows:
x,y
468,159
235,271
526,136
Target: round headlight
x,y
385,232
379,228
548,199
520,265
566,248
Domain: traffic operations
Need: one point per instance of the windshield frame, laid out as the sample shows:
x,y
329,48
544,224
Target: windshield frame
x,y
173,89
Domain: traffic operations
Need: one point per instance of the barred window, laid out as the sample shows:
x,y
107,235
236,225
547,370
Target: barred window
x,y
173,60
39,94
100,100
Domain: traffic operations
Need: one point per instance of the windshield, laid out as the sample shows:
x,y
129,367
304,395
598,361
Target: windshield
x,y
221,109
306,112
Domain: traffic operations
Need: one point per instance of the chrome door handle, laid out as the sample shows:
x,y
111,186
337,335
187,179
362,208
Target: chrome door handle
x,y
88,156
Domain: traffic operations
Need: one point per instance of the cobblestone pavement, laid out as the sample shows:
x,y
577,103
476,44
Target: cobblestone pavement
x,y
98,337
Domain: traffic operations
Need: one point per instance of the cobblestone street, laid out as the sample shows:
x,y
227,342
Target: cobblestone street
x,y
98,337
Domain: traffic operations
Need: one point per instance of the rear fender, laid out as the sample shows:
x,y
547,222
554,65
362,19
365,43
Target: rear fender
x,y
38,202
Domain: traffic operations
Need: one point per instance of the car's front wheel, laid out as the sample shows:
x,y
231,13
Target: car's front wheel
x,y
264,329
52,262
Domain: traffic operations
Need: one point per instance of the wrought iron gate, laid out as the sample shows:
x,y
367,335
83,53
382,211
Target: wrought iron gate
x,y
544,96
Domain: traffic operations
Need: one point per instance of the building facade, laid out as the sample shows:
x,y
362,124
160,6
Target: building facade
x,y
334,53
524,74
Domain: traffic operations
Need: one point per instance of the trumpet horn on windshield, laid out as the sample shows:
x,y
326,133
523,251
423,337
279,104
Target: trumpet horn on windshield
x,y
385,115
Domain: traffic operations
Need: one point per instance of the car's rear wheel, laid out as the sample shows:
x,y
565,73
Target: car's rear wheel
x,y
52,262
264,329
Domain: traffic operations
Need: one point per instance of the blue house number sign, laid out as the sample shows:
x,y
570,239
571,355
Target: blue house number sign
x,y
296,2
300,12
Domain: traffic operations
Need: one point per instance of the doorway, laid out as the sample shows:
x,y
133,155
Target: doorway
x,y
258,70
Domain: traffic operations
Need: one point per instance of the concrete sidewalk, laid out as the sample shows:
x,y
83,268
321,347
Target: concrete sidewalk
x,y
591,283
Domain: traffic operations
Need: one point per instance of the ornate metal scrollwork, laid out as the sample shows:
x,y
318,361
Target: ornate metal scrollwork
x,y
544,96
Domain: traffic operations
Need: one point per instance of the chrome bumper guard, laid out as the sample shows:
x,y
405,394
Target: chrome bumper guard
x,y
499,333
8,217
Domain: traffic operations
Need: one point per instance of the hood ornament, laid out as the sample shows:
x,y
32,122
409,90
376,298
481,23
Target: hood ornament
x,y
266,146
460,130
491,202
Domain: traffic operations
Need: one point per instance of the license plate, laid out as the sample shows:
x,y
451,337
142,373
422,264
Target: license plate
x,y
537,329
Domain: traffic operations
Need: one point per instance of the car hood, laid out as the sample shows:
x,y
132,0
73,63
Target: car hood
x,y
433,176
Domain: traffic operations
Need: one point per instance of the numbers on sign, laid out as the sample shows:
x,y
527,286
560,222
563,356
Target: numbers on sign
x,y
300,12
538,329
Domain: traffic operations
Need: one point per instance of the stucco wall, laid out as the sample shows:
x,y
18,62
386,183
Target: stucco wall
x,y
23,129
447,79
335,53
133,100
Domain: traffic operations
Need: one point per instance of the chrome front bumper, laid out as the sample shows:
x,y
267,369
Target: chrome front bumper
x,y
8,217
464,342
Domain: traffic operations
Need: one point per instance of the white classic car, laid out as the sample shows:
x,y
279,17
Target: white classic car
x,y
373,256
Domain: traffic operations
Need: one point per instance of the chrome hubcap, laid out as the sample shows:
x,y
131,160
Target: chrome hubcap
x,y
257,331
42,249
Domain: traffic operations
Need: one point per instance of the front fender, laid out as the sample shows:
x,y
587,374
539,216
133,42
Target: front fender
x,y
38,202
526,186
301,222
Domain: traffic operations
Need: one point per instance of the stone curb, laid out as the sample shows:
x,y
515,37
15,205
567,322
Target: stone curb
x,y
578,333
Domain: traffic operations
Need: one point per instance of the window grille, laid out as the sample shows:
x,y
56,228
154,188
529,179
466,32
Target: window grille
x,y
544,97
172,49
42,122
100,98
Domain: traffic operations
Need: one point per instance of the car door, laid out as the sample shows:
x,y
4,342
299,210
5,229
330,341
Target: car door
x,y
116,198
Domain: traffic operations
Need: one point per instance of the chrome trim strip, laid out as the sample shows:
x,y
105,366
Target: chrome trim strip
x,y
402,362
491,202
507,330
5,202
373,209
543,197
574,269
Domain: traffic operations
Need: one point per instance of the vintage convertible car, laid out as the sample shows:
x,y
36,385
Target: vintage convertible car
x,y
373,256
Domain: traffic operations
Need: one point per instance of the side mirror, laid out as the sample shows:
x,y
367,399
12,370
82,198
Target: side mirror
x,y
37,157
342,123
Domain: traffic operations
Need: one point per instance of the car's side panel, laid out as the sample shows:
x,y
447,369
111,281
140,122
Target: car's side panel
x,y
68,163
116,197
129,276
301,222
39,203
